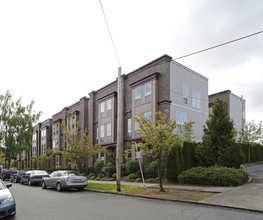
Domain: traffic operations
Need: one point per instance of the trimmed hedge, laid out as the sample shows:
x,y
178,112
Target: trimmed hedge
x,y
215,176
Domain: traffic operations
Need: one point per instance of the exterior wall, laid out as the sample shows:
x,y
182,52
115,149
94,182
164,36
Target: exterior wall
x,y
182,76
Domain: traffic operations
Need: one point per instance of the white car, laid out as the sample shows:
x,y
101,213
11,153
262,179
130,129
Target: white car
x,y
64,179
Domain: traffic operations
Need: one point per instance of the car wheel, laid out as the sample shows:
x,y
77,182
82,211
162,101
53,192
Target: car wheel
x,y
15,180
59,188
44,186
10,180
29,183
21,182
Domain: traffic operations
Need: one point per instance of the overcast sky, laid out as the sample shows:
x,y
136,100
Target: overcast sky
x,y
57,51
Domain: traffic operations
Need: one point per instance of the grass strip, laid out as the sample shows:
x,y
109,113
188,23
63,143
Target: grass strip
x,y
110,187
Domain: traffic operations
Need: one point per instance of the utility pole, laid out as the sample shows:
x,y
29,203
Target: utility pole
x,y
119,147
242,120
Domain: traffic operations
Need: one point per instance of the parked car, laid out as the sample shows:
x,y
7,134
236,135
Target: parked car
x,y
33,177
7,201
64,179
16,176
7,173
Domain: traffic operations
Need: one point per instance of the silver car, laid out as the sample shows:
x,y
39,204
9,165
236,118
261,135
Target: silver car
x,y
64,179
7,201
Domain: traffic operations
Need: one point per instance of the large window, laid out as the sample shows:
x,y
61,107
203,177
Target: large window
x,y
185,94
102,109
148,115
129,127
136,128
196,99
138,95
148,92
102,133
109,107
109,132
55,144
181,118
73,122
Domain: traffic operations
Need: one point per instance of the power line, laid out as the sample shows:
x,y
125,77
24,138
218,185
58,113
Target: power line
x,y
110,33
219,45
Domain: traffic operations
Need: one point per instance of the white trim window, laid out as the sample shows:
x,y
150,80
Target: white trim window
x,y
196,98
102,157
109,132
181,118
148,92
148,115
136,129
102,109
138,95
185,94
129,127
109,107
102,133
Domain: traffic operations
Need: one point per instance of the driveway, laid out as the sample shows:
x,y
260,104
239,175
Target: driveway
x,y
256,172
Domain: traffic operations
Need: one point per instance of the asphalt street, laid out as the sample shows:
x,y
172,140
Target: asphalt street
x,y
255,171
36,203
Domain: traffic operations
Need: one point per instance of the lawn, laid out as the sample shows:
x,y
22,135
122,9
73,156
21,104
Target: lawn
x,y
110,187
153,192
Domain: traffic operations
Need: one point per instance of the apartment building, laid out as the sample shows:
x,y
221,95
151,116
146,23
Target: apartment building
x,y
235,106
159,85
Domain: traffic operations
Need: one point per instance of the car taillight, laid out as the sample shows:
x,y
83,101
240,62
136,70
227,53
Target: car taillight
x,y
35,177
17,175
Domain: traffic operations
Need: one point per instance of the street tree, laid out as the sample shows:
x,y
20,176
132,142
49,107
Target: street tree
x,y
79,148
253,132
16,125
219,136
159,136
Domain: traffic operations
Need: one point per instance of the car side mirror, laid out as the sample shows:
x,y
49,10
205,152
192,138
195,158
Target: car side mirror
x,y
8,185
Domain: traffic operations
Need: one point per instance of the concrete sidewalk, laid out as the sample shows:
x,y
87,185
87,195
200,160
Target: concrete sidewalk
x,y
246,197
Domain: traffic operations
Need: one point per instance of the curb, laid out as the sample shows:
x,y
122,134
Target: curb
x,y
181,201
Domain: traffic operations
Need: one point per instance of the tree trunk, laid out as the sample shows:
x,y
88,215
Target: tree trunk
x,y
160,177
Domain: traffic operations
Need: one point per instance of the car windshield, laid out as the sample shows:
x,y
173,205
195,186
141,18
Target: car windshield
x,y
40,172
71,173
2,186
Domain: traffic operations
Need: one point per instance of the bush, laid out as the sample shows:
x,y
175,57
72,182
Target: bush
x,y
83,174
151,171
131,177
98,165
109,169
132,166
215,176
91,175
114,176
138,180
93,178
150,180
173,164
100,175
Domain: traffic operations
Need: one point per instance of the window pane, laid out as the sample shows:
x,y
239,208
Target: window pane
x,y
109,132
148,92
185,94
148,115
109,107
129,127
138,91
102,133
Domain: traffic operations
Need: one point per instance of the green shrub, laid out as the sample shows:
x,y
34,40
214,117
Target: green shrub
x,y
138,180
98,165
109,169
114,176
100,175
109,179
91,175
151,171
131,177
173,164
215,176
132,166
83,174
93,178
150,180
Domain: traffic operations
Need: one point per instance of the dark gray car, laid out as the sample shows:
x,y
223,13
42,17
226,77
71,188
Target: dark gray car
x,y
64,179
33,177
